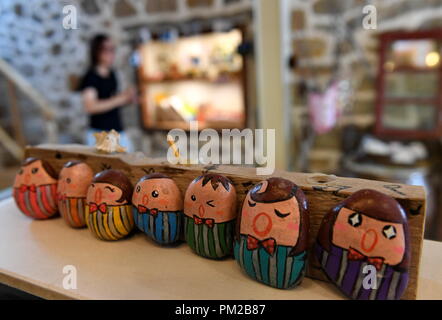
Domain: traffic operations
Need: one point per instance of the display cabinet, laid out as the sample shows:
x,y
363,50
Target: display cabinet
x,y
409,85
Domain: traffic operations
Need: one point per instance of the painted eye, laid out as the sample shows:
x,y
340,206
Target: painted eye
x,y
155,194
93,185
110,189
209,203
280,214
193,197
389,232
68,180
21,171
251,204
355,219
138,189
34,170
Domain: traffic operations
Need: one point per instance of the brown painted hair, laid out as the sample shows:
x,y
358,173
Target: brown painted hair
x,y
48,168
154,175
279,189
72,163
215,180
372,204
117,179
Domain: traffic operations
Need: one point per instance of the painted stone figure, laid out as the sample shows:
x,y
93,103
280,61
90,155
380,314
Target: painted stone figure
x,y
108,210
158,208
35,189
272,234
209,215
369,228
73,182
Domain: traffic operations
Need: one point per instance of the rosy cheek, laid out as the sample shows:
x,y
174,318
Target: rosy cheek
x,y
340,226
399,249
163,202
114,196
293,226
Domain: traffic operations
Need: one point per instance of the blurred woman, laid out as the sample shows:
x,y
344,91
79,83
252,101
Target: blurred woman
x,y
100,95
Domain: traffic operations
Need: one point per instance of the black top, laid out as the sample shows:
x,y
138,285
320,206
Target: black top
x,y
106,88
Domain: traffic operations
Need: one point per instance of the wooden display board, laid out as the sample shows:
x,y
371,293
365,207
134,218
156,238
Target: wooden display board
x,y
323,192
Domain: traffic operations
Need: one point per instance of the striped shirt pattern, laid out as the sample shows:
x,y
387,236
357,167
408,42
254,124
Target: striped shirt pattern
x,y
165,227
214,243
115,224
348,276
279,270
40,204
73,211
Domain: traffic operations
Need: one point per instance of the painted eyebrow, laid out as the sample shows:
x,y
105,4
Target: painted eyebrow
x,y
280,214
251,203
111,189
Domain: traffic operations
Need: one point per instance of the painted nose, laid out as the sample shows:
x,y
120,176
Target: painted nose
x,y
145,200
98,196
27,178
201,211
369,240
262,224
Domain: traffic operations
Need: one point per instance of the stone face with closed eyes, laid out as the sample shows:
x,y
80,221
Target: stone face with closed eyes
x,y
108,211
363,246
272,234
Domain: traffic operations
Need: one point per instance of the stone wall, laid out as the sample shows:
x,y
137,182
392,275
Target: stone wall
x,y
315,39
33,40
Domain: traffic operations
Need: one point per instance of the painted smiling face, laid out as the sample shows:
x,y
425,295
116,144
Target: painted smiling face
x,y
35,189
273,229
211,197
73,183
158,208
108,213
158,191
368,228
210,212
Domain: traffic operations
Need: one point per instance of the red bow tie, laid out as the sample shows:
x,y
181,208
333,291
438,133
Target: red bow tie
x,y
143,209
93,207
268,244
208,222
24,188
355,255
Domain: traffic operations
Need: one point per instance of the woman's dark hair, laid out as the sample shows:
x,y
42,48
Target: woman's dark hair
x,y
117,179
277,190
373,204
95,47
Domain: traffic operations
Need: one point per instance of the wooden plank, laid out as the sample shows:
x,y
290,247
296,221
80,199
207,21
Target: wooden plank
x,y
322,191
11,145
17,126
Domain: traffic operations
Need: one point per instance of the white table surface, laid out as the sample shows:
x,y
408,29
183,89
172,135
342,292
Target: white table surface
x,y
33,254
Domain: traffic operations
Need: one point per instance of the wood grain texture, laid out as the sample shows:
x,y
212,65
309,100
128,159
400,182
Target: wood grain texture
x,y
323,192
